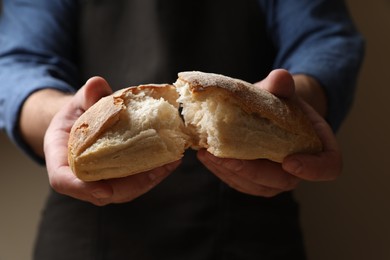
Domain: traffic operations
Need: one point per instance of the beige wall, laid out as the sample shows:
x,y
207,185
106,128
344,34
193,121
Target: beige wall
x,y
350,218
23,186
345,219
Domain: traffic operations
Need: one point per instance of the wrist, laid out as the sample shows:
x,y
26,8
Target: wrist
x,y
310,90
36,114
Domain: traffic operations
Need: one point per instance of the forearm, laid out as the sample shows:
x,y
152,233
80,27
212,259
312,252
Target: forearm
x,y
311,91
36,114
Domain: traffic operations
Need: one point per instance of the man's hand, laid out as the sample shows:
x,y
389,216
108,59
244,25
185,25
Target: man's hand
x,y
266,178
61,177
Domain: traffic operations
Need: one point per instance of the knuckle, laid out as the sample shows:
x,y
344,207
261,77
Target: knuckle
x,y
56,185
234,165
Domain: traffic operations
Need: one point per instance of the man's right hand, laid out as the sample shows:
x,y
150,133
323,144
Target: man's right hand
x,y
61,177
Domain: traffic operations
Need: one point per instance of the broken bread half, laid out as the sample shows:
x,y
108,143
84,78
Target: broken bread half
x,y
133,130
139,128
234,119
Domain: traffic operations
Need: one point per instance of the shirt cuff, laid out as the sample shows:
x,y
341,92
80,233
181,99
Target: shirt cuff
x,y
339,89
13,109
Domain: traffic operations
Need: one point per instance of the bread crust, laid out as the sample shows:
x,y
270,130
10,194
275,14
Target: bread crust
x,y
102,117
91,124
253,100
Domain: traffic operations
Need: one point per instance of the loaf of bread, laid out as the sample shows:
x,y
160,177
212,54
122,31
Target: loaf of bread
x,y
139,128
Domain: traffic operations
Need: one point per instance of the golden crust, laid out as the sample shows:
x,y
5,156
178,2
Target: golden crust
x,y
92,123
286,114
104,114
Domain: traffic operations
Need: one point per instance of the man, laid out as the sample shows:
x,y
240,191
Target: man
x,y
203,207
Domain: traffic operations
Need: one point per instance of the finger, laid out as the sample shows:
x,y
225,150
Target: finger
x,y
61,177
104,192
63,181
263,172
326,165
131,187
93,90
56,138
257,177
241,184
279,82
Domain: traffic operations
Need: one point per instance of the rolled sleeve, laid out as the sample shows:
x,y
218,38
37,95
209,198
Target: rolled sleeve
x,y
318,38
36,52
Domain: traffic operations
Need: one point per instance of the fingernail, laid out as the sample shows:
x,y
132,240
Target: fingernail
x,y
293,166
101,194
233,164
152,176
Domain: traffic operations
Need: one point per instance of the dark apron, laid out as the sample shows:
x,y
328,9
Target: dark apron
x,y
190,215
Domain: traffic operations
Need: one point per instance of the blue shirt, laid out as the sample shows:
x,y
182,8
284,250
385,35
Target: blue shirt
x,y
38,50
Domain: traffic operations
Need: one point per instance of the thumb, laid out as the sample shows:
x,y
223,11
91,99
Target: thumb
x,y
279,82
93,90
